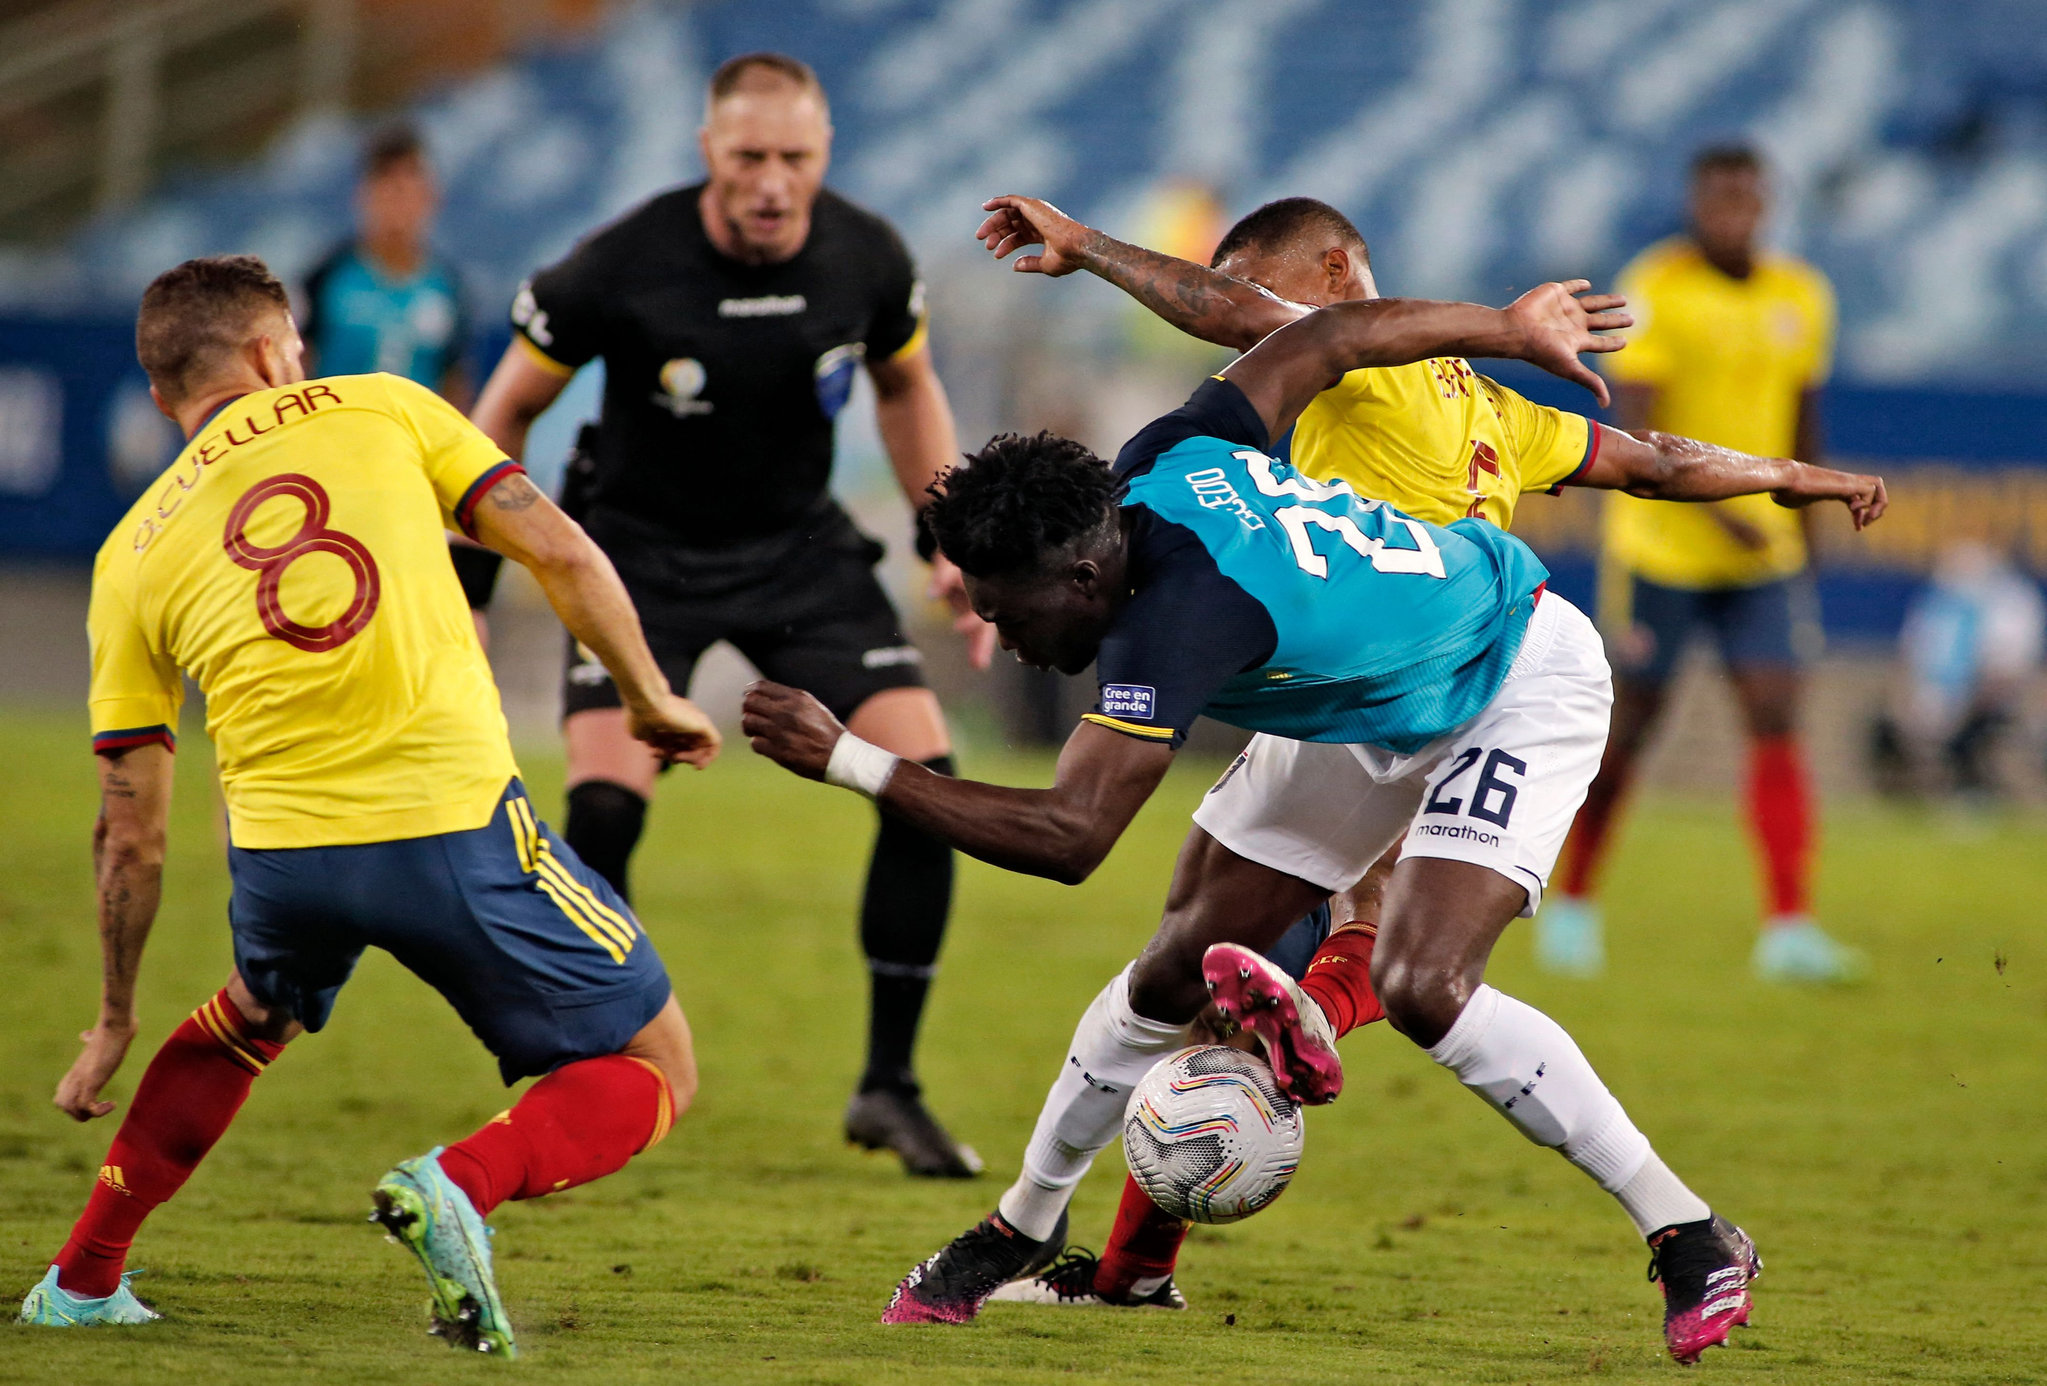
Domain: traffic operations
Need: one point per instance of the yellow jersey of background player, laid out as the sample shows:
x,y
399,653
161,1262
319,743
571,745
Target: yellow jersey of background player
x,y
1735,343
1734,361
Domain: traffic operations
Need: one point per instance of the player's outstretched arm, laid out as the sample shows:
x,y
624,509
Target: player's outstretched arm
x,y
127,861
1063,832
584,590
1201,302
1549,325
1664,466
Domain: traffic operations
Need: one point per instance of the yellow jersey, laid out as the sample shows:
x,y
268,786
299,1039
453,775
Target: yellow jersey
x,y
1439,441
1730,360
293,560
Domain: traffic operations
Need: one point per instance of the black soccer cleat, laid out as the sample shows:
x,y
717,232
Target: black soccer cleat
x,y
1706,1268
888,1119
952,1286
1070,1282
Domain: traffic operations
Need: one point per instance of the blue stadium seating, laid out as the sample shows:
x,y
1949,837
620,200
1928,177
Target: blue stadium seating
x,y
1481,144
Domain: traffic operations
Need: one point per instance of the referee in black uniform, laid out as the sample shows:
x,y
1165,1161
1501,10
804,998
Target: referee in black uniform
x,y
732,318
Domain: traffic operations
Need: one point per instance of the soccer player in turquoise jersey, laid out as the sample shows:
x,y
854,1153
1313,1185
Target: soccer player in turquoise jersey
x,y
1402,678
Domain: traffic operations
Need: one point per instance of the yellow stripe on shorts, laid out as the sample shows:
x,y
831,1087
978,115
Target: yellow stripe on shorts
x,y
595,935
589,906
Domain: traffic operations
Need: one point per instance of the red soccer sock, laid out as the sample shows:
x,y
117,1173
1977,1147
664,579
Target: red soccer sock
x,y
188,1095
1585,848
579,1123
1339,977
1780,814
1143,1245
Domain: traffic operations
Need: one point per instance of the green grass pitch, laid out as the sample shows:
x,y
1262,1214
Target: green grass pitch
x,y
1885,1146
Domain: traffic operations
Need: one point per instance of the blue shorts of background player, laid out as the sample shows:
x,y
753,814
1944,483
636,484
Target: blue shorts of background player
x,y
1773,625
535,951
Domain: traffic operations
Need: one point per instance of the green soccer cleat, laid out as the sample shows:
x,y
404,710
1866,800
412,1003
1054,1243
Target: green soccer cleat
x,y
53,1306
421,1208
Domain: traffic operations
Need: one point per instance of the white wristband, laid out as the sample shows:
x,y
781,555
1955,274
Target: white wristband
x,y
859,765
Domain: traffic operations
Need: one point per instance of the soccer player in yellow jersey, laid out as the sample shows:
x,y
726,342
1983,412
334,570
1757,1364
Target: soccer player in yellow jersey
x,y
1432,438
291,560
1734,345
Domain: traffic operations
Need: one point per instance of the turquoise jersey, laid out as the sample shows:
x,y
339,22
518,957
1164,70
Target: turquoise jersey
x,y
1296,607
359,320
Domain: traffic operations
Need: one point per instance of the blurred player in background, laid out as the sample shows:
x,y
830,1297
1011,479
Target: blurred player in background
x,y
1968,669
732,317
386,300
291,562
1734,344
1434,438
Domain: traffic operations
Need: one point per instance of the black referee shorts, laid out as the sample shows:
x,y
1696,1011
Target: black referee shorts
x,y
803,606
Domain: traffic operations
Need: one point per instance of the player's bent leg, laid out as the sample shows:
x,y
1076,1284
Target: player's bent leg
x,y
903,912
188,1095
581,1122
1443,917
1286,825
1215,895
551,969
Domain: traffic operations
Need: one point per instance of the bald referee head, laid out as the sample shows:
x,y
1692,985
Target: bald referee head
x,y
766,139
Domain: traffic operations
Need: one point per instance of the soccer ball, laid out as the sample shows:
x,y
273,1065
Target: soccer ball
x,y
1210,1136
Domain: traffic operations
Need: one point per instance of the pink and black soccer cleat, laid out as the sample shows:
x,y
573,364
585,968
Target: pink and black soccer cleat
x,y
952,1286
1706,1268
1299,1044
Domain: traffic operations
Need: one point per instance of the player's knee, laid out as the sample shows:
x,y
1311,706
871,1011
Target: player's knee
x,y
1166,983
681,1074
1422,998
665,1043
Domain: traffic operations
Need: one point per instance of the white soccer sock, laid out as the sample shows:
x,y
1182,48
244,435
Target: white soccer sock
x,y
1655,1198
1113,1047
1531,1072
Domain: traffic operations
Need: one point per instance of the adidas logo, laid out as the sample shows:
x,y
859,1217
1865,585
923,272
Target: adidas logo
x,y
111,1176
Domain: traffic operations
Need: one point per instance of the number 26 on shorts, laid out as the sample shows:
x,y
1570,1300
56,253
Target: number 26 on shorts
x,y
1492,797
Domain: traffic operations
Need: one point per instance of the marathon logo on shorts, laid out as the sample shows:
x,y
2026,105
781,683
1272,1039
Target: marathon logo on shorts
x,y
1129,700
766,306
1462,831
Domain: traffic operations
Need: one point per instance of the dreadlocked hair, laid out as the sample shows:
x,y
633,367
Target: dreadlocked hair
x,y
1017,501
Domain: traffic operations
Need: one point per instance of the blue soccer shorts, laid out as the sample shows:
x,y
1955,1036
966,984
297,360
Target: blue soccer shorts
x,y
535,951
1773,625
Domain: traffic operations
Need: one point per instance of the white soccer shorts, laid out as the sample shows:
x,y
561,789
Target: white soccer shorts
x,y
1499,792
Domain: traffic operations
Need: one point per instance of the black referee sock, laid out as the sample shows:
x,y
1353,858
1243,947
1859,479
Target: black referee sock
x,y
603,826
902,922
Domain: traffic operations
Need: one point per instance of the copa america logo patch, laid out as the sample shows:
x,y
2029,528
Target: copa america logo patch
x,y
1128,700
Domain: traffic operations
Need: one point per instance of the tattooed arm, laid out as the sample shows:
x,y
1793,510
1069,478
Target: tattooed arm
x,y
1201,302
1549,326
127,868
584,590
